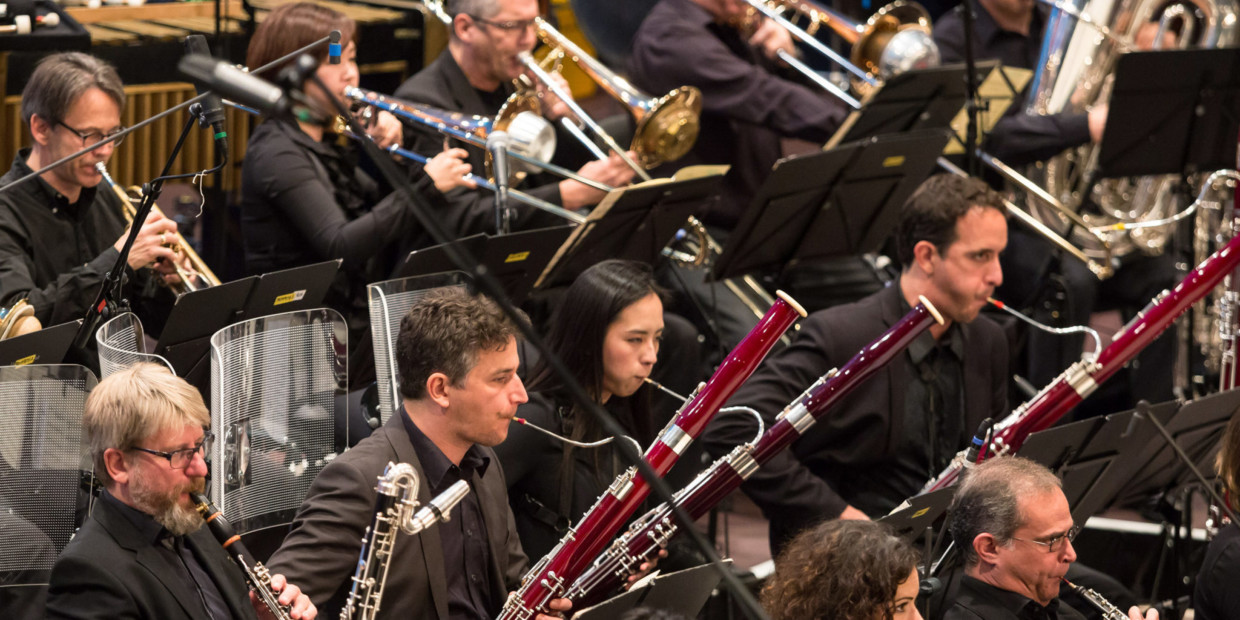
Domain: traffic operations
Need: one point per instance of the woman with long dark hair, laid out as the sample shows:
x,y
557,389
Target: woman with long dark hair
x,y
607,330
1216,596
844,570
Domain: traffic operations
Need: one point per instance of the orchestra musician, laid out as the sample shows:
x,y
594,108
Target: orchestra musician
x,y
1012,522
457,361
1215,596
59,234
846,570
900,428
143,551
474,75
305,200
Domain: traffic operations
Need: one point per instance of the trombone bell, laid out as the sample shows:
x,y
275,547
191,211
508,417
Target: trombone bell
x,y
896,39
669,128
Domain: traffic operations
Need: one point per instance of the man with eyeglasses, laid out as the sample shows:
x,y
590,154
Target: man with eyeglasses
x,y
1011,521
142,552
59,234
474,75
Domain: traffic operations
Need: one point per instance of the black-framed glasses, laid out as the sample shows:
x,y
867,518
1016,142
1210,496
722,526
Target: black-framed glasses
x,y
93,137
1055,544
518,25
180,459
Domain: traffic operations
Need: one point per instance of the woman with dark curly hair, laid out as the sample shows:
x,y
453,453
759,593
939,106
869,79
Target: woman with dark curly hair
x,y
844,570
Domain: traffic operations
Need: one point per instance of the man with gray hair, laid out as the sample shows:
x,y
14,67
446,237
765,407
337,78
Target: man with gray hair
x,y
143,552
58,235
1011,521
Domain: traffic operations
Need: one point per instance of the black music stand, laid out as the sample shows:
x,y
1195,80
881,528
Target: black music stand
x,y
186,339
46,346
919,513
299,288
683,592
837,203
633,223
516,259
1172,112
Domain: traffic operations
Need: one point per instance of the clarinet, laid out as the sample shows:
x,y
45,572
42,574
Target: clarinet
x,y
395,506
1109,611
551,576
1082,378
651,532
255,573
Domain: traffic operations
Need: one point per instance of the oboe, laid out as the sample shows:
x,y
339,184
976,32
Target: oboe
x,y
1109,611
255,573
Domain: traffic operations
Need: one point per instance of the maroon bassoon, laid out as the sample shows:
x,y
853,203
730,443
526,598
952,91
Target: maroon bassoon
x,y
550,578
1082,378
646,536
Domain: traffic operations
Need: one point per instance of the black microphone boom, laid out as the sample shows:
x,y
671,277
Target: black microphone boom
x,y
212,109
246,89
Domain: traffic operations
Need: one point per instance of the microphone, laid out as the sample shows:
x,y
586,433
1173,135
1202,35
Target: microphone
x,y
333,48
246,89
212,109
975,446
497,146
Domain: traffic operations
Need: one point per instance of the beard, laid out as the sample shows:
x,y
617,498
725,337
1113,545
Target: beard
x,y
166,506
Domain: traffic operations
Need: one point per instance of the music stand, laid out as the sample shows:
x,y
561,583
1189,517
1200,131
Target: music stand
x,y
837,203
1172,112
683,592
633,223
46,346
516,259
997,93
299,288
186,339
910,101
918,513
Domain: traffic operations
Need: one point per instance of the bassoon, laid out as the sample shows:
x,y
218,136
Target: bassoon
x,y
650,533
551,576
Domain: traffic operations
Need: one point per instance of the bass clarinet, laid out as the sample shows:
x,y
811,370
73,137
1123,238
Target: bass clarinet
x,y
256,574
650,533
550,578
1082,378
395,509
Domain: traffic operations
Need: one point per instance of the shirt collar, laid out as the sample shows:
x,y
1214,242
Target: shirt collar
x,y
435,464
150,531
920,348
988,29
43,190
1019,604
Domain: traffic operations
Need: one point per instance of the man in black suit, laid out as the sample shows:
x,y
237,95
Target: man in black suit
x,y
894,432
457,358
143,552
475,74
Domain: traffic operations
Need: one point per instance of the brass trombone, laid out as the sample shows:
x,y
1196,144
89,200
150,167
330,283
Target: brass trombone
x,y
197,265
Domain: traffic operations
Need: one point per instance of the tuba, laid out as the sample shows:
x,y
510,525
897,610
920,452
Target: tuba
x,y
1081,46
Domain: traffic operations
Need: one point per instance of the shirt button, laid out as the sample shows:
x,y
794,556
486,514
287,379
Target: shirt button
x,y
473,577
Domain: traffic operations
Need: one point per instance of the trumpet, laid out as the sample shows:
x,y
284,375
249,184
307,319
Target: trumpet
x,y
197,265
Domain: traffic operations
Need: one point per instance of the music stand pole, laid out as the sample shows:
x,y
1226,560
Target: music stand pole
x,y
970,88
1142,412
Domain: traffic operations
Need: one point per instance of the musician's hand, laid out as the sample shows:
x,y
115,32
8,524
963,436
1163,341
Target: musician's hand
x,y
448,170
553,108
853,513
558,605
1097,122
645,569
611,171
300,607
149,248
385,129
770,38
1134,613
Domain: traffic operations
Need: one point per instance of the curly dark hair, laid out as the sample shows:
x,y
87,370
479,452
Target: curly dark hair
x,y
840,569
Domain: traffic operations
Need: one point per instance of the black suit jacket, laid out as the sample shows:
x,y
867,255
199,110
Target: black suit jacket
x,y
320,553
109,571
793,488
443,85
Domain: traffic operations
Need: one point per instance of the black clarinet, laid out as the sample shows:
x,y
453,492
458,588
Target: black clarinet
x,y
255,573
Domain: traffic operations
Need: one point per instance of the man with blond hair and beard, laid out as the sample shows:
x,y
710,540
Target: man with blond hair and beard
x,y
143,552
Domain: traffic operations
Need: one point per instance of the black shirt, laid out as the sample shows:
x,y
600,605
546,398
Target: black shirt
x,y
981,601
1216,596
1018,138
464,537
56,253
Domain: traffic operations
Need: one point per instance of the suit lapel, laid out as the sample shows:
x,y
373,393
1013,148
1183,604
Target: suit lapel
x,y
895,371
149,558
429,542
222,571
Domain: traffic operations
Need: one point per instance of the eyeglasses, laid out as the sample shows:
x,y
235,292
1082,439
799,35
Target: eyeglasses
x,y
180,459
520,25
1055,544
90,138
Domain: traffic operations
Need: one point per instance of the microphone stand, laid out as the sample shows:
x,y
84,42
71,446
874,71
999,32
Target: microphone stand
x,y
972,105
487,283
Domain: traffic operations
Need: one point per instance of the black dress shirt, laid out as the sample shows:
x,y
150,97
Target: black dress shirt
x,y
56,253
981,601
178,554
464,537
1018,138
